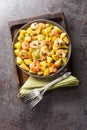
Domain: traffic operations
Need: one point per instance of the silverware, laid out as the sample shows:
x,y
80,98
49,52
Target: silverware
x,y
36,95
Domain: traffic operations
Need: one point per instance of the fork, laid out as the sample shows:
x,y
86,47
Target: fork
x,y
36,95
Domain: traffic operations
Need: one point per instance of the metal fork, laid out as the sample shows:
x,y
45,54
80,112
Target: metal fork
x,y
36,95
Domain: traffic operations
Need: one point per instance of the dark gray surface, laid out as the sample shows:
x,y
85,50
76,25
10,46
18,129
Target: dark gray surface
x,y
64,109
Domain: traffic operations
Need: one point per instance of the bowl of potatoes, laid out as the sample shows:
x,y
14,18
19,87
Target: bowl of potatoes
x,y
41,48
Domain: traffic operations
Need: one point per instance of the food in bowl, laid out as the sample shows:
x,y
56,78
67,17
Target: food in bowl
x,y
41,49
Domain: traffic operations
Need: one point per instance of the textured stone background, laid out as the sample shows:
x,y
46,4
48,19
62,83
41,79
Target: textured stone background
x,y
61,109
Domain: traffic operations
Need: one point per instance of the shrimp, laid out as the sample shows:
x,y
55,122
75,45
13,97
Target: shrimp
x,y
42,25
23,54
61,52
25,45
34,26
44,49
42,57
49,44
34,38
58,41
35,66
34,44
42,43
52,69
55,32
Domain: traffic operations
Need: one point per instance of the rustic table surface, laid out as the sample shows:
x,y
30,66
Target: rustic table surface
x,y
61,109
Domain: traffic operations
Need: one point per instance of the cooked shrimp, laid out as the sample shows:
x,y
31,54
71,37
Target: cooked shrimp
x,y
34,38
42,57
23,54
44,49
52,69
58,41
25,45
35,66
61,52
34,26
34,44
49,44
42,43
55,32
42,25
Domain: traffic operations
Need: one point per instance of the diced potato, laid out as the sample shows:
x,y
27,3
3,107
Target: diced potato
x,y
23,66
32,71
58,62
64,60
22,32
48,64
20,38
66,40
53,38
48,38
66,51
47,25
46,72
40,37
64,47
17,45
30,50
43,68
46,31
49,59
54,57
50,69
40,73
27,39
43,63
57,28
21,35
27,61
37,31
63,35
52,52
16,52
55,48
19,60
29,30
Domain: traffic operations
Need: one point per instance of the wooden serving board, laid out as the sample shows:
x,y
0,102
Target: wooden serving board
x,y
14,26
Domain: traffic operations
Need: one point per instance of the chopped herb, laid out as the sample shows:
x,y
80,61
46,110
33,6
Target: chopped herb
x,y
49,50
23,53
60,44
37,57
35,24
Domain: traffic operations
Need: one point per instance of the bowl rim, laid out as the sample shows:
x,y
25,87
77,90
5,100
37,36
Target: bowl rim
x,y
25,27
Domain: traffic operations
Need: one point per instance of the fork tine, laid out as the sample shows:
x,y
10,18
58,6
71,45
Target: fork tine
x,y
27,99
28,95
35,101
31,95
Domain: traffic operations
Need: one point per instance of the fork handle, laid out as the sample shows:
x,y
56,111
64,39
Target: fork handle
x,y
55,81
